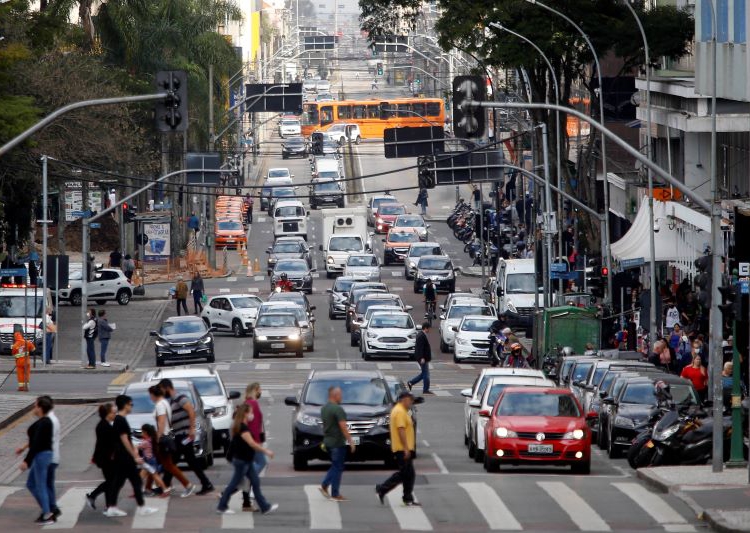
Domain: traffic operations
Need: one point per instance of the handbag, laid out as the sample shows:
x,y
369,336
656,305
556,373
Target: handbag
x,y
204,299
167,443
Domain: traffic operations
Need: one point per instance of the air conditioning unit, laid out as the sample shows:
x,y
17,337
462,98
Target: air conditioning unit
x,y
344,222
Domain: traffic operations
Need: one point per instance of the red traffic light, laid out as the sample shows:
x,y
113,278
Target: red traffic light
x,y
605,271
124,206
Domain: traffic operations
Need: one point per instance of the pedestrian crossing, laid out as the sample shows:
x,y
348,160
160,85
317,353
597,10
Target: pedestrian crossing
x,y
496,505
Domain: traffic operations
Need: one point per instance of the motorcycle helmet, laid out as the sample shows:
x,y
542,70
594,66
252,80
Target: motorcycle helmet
x,y
516,347
284,277
567,351
662,391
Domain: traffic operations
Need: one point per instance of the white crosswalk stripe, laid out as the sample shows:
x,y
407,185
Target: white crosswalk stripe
x,y
495,512
655,506
73,501
384,366
324,513
303,366
232,279
409,518
239,520
441,392
580,512
152,521
5,492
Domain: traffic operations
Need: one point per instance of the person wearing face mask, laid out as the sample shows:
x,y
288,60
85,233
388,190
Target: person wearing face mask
x,y
104,456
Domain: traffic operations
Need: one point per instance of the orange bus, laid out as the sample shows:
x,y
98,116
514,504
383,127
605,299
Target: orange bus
x,y
373,116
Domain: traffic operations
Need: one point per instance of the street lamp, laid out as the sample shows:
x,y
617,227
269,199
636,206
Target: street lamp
x,y
606,252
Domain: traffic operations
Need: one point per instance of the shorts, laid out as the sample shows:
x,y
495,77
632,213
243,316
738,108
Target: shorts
x,y
153,463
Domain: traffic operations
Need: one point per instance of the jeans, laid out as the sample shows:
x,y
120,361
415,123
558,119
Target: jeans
x,y
404,476
51,486
91,351
50,345
333,476
260,462
423,376
197,303
243,469
37,482
181,302
103,354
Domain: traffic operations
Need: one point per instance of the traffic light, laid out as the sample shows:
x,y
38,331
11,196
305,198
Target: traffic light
x,y
172,112
703,280
730,305
129,212
604,272
380,69
425,174
468,123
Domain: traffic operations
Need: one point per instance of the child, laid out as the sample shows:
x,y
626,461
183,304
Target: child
x,y
151,467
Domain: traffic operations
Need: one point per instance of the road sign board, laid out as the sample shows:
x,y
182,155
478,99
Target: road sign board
x,y
273,97
465,167
744,287
198,162
319,42
632,263
413,142
392,43
558,267
95,225
10,272
563,275
744,269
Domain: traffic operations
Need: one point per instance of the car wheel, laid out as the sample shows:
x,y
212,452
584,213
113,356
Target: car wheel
x,y
491,465
348,326
601,439
256,353
206,322
123,297
416,288
582,468
101,302
76,298
613,452
455,359
329,275
385,260
237,328
299,353
478,455
444,347
311,348
299,462
358,140
366,356
211,358
331,316
283,156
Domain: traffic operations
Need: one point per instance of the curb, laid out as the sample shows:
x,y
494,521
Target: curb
x,y
15,416
653,480
714,518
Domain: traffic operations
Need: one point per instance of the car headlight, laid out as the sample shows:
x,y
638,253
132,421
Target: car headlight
x,y
372,335
272,260
511,307
308,420
262,338
624,422
330,260
294,336
219,411
462,342
576,434
162,344
412,264
505,433
380,220
206,340
384,420
664,435
307,277
412,335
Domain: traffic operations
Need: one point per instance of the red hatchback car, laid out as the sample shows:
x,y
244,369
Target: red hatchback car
x,y
386,216
537,425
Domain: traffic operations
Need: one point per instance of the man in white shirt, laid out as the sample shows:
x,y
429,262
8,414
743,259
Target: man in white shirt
x,y
55,459
671,317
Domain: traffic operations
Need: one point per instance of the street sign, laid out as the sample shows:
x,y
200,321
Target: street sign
x,y
413,142
632,263
744,269
12,272
81,214
392,43
319,42
95,225
197,161
467,167
558,267
744,287
563,275
273,97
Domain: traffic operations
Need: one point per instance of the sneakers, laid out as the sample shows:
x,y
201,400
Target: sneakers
x,y
412,504
339,498
224,511
113,512
381,495
324,491
145,511
189,491
408,384
91,502
428,392
165,494
205,490
249,507
46,521
271,509
105,364
56,512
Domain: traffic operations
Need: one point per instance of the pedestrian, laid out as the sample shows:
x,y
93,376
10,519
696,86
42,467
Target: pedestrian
x,y
402,445
183,420
51,334
335,438
423,355
90,333
242,450
55,457
128,267
249,208
38,459
671,316
422,200
476,196
167,444
194,224
374,86
258,432
105,334
697,374
21,350
196,288
126,461
180,294
105,449
115,258
147,449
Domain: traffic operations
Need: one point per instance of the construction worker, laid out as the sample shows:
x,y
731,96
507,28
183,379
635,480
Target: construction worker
x,y
21,350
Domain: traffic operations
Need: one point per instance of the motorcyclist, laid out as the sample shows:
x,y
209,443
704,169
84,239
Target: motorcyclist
x,y
430,297
284,285
496,329
516,358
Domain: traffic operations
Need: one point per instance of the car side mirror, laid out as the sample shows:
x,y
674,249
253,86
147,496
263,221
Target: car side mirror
x,y
268,251
454,328
211,329
484,413
442,317
313,270
233,395
592,415
475,403
408,307
383,240
329,291
320,247
426,225
313,308
291,401
602,394
466,393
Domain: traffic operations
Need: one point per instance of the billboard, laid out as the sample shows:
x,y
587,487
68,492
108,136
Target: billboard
x,y
157,246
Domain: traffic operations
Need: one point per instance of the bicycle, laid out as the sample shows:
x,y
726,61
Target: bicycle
x,y
429,307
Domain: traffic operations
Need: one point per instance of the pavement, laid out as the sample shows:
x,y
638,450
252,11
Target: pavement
x,y
722,499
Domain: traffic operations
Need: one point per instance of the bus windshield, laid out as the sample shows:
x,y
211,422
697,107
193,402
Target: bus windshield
x,y
310,115
20,306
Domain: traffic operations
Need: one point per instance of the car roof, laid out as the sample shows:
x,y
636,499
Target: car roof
x,y
183,319
519,372
235,295
344,374
468,301
381,296
181,372
478,317
431,244
289,239
387,312
144,385
545,390
281,303
294,203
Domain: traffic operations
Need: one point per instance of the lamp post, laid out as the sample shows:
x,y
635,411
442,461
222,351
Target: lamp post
x,y
606,253
651,236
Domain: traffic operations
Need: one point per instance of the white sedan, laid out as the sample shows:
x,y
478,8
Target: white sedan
x,y
472,338
459,308
232,312
365,266
389,333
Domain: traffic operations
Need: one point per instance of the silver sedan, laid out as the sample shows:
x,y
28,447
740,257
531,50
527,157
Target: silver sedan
x,y
363,266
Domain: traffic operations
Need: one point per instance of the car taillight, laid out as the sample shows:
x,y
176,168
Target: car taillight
x,y
484,412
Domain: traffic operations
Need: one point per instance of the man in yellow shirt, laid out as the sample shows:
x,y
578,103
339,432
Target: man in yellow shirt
x,y
402,446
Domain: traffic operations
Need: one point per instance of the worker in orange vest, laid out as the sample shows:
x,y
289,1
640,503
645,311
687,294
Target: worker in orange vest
x,y
21,350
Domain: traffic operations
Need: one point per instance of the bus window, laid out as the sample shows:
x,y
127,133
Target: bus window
x,y
310,115
326,115
344,112
432,109
418,107
404,110
359,111
373,111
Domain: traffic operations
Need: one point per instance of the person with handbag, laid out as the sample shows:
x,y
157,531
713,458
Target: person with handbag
x,y
196,287
167,444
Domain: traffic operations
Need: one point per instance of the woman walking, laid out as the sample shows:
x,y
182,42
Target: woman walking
x,y
166,442
242,450
196,287
696,373
38,459
104,457
258,432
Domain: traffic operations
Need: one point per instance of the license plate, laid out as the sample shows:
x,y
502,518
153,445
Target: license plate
x,y
540,448
277,345
355,440
650,444
392,346
481,352
186,350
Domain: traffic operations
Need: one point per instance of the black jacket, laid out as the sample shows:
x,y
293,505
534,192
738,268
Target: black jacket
x,y
40,438
106,444
422,348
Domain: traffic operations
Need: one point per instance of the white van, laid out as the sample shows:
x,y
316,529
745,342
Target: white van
x,y
515,291
289,219
326,168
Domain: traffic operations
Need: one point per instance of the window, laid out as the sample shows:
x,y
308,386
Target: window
x,y
326,115
207,386
310,115
538,404
368,391
217,303
373,111
344,112
418,107
404,110
432,109
359,111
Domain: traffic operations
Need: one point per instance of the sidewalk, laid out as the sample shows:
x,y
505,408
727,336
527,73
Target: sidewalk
x,y
721,499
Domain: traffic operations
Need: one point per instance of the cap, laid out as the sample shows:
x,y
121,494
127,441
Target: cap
x,y
405,394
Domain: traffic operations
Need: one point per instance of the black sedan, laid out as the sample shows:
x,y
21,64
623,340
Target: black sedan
x,y
285,248
438,268
183,338
297,271
294,147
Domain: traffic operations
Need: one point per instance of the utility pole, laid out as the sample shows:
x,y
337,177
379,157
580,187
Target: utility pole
x,y
208,233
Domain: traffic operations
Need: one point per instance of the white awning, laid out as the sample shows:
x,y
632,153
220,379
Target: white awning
x,y
682,237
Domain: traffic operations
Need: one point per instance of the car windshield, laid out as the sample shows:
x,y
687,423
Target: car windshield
x,y
229,225
364,305
391,210
537,404
391,321
207,385
290,122
142,403
607,381
337,128
419,251
20,306
495,391
278,173
342,285
290,211
291,308
357,295
182,327
410,222
329,174
377,202
295,141
362,260
398,236
581,371
326,186
520,283
643,393
245,302
476,324
276,321
294,297
435,264
460,311
291,266
286,248
345,244
282,192
354,391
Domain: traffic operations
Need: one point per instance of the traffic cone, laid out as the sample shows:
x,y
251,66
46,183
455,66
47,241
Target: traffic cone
x,y
256,265
249,269
244,259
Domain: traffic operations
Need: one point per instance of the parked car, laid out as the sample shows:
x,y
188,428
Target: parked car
x,y
183,338
232,312
277,333
344,132
107,284
438,268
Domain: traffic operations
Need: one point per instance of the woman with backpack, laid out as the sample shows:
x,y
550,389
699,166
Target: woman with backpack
x,y
90,333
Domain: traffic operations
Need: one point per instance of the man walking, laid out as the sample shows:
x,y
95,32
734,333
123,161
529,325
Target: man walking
x,y
197,288
194,224
423,355
115,258
335,438
402,446
105,333
55,456
180,294
183,426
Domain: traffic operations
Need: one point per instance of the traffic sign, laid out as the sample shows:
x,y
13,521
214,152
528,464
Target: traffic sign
x,y
413,141
558,267
10,272
95,225
563,275
273,97
744,269
632,263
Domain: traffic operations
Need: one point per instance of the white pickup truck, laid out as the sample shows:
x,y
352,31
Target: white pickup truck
x,y
344,232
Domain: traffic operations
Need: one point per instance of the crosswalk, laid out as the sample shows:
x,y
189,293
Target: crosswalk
x,y
494,505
